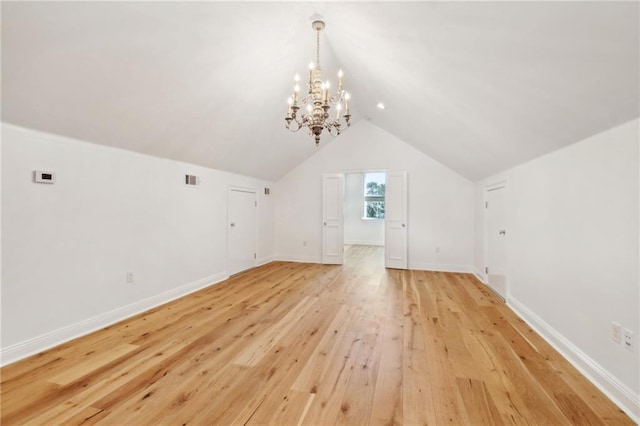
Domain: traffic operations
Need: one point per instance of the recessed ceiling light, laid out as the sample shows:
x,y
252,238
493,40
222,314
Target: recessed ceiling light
x,y
380,105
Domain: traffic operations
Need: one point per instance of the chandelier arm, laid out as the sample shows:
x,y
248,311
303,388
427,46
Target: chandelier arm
x,y
300,122
332,125
292,128
338,97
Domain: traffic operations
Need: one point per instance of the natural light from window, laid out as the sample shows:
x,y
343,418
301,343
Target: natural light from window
x,y
374,185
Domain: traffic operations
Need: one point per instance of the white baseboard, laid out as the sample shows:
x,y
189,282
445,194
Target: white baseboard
x,y
364,243
480,276
299,259
618,392
46,341
265,260
439,267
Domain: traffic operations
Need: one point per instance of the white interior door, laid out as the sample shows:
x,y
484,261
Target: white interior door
x,y
395,239
496,239
242,229
333,218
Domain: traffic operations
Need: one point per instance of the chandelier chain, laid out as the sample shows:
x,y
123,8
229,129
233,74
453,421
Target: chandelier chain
x,y
317,48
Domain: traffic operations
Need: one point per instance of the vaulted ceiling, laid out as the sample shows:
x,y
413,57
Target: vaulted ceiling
x,y
478,86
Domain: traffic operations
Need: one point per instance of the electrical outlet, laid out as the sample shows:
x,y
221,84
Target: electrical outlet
x,y
129,277
616,332
437,249
304,243
628,340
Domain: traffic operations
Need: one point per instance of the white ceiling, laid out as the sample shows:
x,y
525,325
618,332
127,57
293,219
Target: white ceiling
x,y
478,86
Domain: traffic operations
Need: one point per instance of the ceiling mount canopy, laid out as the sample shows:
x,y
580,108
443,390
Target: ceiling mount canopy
x,y
318,101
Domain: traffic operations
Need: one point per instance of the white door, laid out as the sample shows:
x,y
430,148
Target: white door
x,y
496,238
395,236
332,218
242,229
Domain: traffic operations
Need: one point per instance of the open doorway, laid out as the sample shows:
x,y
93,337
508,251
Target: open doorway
x,y
387,200
364,214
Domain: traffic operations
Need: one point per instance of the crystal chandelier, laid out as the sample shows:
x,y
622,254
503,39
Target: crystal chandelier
x,y
318,100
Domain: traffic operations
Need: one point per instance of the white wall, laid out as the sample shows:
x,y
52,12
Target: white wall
x,y
0,251
356,229
573,231
440,200
67,247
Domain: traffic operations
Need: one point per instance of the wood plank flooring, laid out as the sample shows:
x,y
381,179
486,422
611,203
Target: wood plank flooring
x,y
292,344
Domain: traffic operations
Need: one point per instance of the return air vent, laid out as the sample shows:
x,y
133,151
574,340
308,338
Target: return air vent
x,y
191,180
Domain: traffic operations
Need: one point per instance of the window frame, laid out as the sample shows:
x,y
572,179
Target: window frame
x,y
372,198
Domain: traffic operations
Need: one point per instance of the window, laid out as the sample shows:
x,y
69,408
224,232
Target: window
x,y
374,184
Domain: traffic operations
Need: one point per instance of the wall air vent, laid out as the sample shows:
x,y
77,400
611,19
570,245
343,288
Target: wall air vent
x,y
191,180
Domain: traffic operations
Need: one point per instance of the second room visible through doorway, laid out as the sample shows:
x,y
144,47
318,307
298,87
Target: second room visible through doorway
x,y
364,208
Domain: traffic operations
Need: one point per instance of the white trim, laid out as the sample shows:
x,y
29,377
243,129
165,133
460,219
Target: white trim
x,y
48,340
480,276
246,190
618,392
437,267
363,171
392,224
265,260
299,259
243,189
333,222
364,243
499,184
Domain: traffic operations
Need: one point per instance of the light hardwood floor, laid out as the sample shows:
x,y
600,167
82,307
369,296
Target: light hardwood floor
x,y
291,343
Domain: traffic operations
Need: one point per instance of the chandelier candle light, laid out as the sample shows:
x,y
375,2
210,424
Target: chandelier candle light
x,y
318,100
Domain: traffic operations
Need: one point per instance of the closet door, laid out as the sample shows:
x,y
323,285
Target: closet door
x,y
333,218
242,229
395,237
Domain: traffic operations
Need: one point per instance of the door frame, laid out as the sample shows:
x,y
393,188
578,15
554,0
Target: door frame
x,y
403,263
362,172
501,184
249,190
386,172
325,258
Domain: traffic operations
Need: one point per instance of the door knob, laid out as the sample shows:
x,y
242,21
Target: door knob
x,y
502,232
403,225
233,224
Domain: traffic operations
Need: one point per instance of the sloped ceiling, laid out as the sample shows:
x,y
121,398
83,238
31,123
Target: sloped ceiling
x,y
478,86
